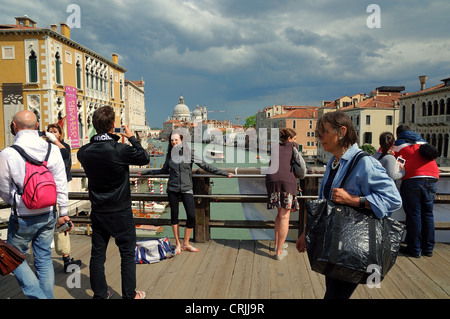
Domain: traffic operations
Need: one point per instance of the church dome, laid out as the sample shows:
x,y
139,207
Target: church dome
x,y
181,110
197,112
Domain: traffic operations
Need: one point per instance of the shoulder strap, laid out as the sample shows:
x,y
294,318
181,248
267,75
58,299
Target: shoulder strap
x,y
29,158
353,165
382,155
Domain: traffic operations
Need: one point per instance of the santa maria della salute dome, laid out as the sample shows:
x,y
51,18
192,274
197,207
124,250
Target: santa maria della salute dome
x,y
182,113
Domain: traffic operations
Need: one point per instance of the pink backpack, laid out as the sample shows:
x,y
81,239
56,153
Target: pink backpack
x,y
39,187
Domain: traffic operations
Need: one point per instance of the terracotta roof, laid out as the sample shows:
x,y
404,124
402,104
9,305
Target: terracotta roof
x,y
379,101
16,26
298,113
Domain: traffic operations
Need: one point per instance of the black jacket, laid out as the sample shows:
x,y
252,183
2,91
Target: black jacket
x,y
106,163
180,171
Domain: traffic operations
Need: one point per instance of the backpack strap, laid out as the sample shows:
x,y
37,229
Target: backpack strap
x,y
29,158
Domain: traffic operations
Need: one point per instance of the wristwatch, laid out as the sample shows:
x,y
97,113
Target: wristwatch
x,y
362,202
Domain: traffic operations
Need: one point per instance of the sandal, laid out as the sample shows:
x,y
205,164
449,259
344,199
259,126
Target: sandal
x,y
177,250
140,294
190,248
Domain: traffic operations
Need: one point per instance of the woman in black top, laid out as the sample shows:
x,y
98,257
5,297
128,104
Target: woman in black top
x,y
62,241
282,190
178,165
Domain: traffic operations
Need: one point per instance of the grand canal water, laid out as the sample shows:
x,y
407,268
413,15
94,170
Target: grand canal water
x,y
234,158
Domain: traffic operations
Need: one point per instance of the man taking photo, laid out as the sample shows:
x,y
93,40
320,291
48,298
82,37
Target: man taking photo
x,y
106,163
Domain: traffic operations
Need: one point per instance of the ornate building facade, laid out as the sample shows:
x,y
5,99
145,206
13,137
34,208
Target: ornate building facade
x,y
60,80
428,113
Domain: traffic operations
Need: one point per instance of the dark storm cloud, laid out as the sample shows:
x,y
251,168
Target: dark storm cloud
x,y
243,55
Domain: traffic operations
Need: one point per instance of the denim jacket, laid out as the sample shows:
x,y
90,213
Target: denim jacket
x,y
368,179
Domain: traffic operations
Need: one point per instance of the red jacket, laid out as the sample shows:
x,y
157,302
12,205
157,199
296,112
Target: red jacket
x,y
416,165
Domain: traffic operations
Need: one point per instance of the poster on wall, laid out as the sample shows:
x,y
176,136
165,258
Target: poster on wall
x,y
72,117
12,95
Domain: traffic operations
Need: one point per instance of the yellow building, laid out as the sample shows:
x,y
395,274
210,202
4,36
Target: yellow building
x,y
303,122
44,71
371,115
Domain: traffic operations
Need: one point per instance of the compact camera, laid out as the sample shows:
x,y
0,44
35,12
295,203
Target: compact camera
x,y
64,227
401,160
119,130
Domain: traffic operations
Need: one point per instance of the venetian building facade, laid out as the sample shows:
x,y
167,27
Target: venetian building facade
x,y
371,115
134,114
41,69
428,113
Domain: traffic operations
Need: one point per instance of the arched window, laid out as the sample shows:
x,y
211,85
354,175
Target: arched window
x,y
403,113
433,140
424,109
435,107
121,90
430,108
58,68
87,77
441,107
440,142
446,141
413,113
32,67
78,75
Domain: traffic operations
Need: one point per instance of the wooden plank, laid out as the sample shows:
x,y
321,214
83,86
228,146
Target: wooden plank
x,y
203,275
439,275
260,283
221,280
301,284
240,283
414,281
280,283
180,287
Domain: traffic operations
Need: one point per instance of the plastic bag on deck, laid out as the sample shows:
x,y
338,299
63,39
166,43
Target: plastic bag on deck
x,y
153,250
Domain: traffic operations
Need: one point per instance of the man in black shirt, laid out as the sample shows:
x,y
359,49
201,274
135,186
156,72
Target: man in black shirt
x,y
106,163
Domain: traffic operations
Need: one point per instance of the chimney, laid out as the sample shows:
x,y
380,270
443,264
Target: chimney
x,y
423,80
54,27
115,58
65,30
25,21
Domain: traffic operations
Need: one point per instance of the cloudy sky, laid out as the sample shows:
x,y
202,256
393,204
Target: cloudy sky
x,y
240,56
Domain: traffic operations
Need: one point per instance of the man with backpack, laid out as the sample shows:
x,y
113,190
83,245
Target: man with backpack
x,y
33,217
418,189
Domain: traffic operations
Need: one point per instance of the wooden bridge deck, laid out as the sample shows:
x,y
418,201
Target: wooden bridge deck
x,y
234,269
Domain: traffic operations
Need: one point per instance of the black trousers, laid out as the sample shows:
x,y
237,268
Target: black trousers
x,y
189,207
338,289
120,226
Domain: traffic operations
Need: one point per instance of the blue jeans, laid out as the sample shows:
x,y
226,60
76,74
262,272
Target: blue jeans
x,y
418,200
38,230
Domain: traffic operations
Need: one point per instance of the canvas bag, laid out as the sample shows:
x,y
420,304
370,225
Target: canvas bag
x,y
39,187
343,242
153,250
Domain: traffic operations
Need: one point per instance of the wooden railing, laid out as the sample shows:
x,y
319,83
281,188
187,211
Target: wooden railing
x,y
203,199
